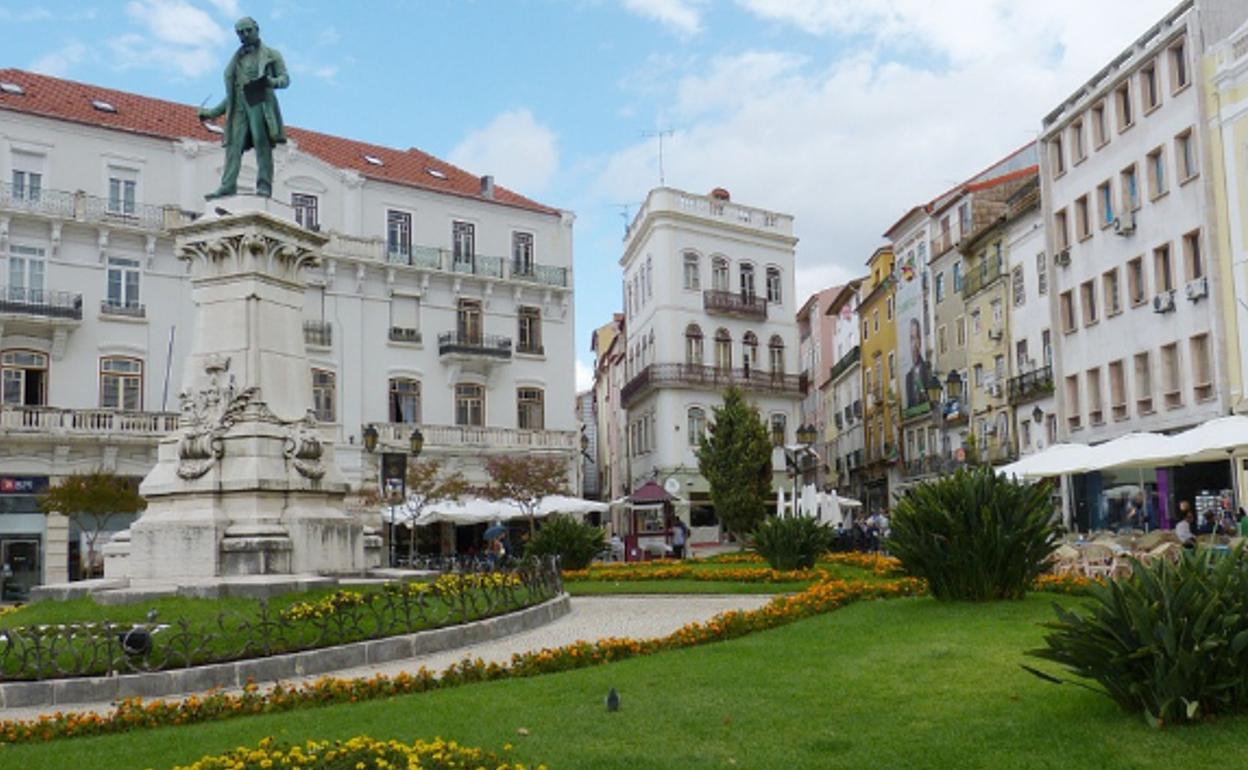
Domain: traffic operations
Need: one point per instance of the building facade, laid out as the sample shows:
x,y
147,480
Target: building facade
x,y
443,301
881,413
843,395
608,343
816,330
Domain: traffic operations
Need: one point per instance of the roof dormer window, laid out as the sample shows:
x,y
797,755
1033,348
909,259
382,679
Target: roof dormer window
x,y
11,88
435,173
373,160
103,106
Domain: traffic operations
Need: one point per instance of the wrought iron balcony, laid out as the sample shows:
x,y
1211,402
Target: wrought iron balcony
x,y
486,345
543,274
40,302
981,276
477,264
89,208
734,304
1031,385
318,333
847,361
707,377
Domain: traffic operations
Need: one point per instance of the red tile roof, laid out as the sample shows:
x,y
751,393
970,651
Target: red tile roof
x,y
71,101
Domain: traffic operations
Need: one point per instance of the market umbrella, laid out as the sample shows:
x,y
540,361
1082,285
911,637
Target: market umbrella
x,y
495,531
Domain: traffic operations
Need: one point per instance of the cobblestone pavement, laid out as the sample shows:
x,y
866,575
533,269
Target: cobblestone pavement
x,y
591,618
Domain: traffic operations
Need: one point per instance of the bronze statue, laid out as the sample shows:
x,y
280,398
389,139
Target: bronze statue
x,y
252,116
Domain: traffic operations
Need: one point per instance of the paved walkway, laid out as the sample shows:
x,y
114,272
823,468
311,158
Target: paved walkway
x,y
591,618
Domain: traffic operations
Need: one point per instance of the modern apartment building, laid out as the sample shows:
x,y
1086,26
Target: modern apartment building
x,y
882,412
709,303
842,394
816,330
443,302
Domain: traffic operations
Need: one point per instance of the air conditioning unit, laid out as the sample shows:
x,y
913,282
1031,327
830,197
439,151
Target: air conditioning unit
x,y
994,390
1197,289
1062,258
995,333
1125,224
1163,302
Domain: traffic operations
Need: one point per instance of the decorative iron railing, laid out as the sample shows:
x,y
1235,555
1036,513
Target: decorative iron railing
x,y
492,345
847,361
41,302
710,377
734,303
319,333
1030,385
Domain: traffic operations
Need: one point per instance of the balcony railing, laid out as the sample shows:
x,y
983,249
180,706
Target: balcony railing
x,y
89,423
319,333
709,377
108,307
489,345
544,274
89,208
41,302
451,436
847,361
735,304
478,265
404,334
1030,385
980,276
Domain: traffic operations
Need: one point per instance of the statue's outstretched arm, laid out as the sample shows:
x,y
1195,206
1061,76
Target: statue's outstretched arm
x,y
215,112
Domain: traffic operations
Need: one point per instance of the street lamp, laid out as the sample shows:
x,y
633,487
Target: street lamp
x,y
934,388
806,434
1037,414
370,438
954,385
415,443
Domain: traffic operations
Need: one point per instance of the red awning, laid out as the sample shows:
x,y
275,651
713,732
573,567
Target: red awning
x,y
650,493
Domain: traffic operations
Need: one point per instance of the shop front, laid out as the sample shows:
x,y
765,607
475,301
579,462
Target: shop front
x,y
1149,498
23,529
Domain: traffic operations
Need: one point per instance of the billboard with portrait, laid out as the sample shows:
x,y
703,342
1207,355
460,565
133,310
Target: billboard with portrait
x,y
913,351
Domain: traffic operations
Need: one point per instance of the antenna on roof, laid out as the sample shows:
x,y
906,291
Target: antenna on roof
x,y
623,212
660,134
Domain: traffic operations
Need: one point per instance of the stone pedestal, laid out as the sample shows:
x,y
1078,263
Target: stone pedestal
x,y
247,485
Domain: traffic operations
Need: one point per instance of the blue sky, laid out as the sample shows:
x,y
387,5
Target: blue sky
x,y
842,112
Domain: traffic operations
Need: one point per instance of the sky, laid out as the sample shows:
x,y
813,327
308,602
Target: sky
x,y
844,113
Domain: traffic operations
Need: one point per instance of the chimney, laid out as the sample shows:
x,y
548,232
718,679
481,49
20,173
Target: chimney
x,y
487,187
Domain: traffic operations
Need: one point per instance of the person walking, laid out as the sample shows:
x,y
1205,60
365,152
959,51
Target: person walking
x,y
680,534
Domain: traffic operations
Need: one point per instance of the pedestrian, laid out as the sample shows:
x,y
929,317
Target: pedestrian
x,y
1183,530
680,533
496,553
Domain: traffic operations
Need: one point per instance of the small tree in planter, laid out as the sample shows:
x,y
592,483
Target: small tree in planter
x,y
735,458
91,500
524,480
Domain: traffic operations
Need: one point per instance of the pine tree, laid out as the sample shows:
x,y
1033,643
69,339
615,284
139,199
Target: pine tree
x,y
735,458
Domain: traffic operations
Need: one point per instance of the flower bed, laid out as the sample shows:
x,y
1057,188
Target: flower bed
x,y
358,752
689,570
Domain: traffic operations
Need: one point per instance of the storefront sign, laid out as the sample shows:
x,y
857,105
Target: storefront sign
x,y
23,485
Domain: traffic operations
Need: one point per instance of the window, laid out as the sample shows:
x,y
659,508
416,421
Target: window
x,y
529,334
1185,156
866,330
468,324
693,277
998,313
1042,275
693,345
404,400
1143,384
959,328
522,254
875,320
942,341
399,235
1074,420
306,210
1068,312
747,280
1077,151
1022,363
1122,98
1105,203
978,374
122,184
1109,284
1178,67
1083,224
1130,192
1156,164
27,271
940,286
1137,288
1099,135
123,284
775,353
1025,433
1202,367
1046,343
404,318
957,277
1161,268
1087,299
1193,264
463,244
1148,87
773,285
1171,376
121,383
1117,390
892,366
778,432
1061,231
976,323
719,274
1020,288
964,219
530,409
1057,156
749,352
470,405
888,308
696,425
324,395
27,185
649,282
723,349
23,378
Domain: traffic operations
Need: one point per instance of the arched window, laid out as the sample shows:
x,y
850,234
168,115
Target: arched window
x,y
747,280
121,383
693,276
749,353
723,349
693,345
776,353
719,274
773,285
404,400
24,378
697,425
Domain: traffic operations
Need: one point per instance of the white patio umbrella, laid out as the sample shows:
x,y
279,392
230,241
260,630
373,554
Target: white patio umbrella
x,y
1056,460
574,506
1216,439
1136,450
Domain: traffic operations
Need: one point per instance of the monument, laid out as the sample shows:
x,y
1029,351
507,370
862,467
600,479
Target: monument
x,y
247,485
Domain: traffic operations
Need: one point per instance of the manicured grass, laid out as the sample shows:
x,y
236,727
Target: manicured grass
x,y
887,684
600,587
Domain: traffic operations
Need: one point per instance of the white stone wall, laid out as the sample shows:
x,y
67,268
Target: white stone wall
x,y
1028,321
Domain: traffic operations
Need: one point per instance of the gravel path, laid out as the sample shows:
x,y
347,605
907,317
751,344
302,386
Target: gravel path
x,y
591,618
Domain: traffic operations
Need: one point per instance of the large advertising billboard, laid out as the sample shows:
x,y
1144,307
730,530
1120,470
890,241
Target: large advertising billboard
x,y
912,349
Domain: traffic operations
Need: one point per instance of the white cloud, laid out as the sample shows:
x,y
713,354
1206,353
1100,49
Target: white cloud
x,y
176,36
227,8
919,97
683,17
58,63
584,376
521,153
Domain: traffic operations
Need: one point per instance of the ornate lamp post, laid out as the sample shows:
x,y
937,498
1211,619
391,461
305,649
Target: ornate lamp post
x,y
393,472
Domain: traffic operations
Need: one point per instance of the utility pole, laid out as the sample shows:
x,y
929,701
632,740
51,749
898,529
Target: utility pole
x,y
659,134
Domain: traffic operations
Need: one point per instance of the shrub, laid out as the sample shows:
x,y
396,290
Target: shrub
x,y
793,542
974,535
1170,641
575,544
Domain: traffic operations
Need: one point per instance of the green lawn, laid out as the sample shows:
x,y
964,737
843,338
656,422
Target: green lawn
x,y
903,683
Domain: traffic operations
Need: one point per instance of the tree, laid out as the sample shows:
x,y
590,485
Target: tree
x,y
524,480
735,458
426,483
90,500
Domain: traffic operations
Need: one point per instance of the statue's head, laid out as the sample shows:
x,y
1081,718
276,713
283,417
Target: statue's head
x,y
248,31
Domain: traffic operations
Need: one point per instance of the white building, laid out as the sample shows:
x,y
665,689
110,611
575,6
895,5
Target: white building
x,y
709,302
444,301
843,393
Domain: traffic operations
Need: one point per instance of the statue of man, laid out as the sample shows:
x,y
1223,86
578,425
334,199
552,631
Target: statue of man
x,y
252,117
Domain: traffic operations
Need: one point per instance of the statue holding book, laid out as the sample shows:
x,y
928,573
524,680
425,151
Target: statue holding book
x,y
253,119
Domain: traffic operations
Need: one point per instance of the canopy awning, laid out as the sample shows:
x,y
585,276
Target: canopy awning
x,y
650,493
479,510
